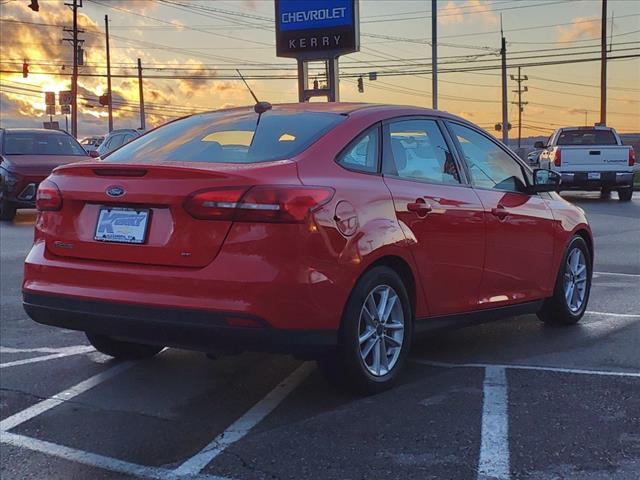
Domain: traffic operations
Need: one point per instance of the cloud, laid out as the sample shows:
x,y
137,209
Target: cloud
x,y
44,49
582,29
455,12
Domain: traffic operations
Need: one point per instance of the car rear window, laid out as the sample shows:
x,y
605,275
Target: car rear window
x,y
41,143
230,137
587,137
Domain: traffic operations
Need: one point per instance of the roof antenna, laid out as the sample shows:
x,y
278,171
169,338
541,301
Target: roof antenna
x,y
259,107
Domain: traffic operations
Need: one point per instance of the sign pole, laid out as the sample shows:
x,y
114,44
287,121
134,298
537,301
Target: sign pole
x,y
334,80
302,80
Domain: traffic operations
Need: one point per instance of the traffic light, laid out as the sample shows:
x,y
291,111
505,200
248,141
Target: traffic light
x,y
104,100
25,69
34,6
360,85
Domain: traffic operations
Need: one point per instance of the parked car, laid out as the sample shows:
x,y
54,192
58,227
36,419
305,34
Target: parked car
x,y
27,156
115,139
91,143
331,231
590,158
533,157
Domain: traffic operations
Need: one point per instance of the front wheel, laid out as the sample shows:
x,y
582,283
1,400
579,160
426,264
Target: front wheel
x,y
121,350
375,335
7,210
573,285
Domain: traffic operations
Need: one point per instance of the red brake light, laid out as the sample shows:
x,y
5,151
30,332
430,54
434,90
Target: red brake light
x,y
219,204
632,157
281,204
48,197
557,158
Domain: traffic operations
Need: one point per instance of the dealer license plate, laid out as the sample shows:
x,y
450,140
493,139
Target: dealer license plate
x,y
124,225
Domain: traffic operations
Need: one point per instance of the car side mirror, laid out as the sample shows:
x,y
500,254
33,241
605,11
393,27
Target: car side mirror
x,y
540,145
545,181
94,154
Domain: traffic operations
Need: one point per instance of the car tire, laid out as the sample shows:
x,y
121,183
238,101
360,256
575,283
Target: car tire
x,y
372,349
625,194
122,350
7,211
572,288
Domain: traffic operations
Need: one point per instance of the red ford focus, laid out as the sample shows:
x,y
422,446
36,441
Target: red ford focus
x,y
330,231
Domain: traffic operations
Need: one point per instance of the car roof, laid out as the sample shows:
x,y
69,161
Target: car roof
x,y
349,108
34,130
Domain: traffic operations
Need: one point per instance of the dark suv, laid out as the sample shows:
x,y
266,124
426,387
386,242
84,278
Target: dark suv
x,y
27,156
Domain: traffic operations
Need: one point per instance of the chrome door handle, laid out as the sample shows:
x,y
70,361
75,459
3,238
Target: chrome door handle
x,y
420,207
499,212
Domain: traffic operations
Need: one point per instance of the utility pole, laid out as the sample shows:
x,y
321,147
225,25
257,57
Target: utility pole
x,y
603,66
434,53
142,124
75,42
505,110
520,103
110,105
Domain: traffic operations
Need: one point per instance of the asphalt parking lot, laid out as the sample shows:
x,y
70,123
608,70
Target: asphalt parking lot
x,y
507,400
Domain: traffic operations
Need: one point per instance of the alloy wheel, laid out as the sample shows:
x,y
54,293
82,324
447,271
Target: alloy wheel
x,y
575,280
381,330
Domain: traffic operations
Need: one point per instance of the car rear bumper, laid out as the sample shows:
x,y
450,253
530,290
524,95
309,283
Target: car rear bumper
x,y
581,180
181,328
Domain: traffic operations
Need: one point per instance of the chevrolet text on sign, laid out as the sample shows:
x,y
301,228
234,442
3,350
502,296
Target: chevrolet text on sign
x,y
319,28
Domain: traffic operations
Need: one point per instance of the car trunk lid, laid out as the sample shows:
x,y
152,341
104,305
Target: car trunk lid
x,y
127,192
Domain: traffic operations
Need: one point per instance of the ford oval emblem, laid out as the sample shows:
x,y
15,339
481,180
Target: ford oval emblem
x,y
115,191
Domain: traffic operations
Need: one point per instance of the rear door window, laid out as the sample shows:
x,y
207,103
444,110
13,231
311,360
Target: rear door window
x,y
417,150
230,137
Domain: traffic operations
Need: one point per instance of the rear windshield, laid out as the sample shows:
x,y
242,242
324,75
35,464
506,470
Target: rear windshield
x,y
229,137
586,137
41,143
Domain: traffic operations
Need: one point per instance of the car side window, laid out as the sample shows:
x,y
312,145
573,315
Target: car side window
x,y
416,149
490,166
362,153
115,142
128,137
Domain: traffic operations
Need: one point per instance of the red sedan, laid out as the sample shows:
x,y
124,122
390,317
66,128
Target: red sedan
x,y
331,231
27,156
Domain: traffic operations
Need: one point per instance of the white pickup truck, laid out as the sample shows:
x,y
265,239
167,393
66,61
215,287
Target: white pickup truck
x,y
590,158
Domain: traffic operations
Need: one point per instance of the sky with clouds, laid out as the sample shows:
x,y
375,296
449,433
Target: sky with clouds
x,y
196,38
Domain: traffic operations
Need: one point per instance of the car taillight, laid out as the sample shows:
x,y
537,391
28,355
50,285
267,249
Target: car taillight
x,y
48,197
218,204
557,158
279,204
632,157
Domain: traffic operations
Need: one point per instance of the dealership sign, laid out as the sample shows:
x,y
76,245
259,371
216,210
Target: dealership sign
x,y
316,28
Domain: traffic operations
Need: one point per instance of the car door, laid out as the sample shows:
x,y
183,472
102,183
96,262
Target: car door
x,y
519,225
440,214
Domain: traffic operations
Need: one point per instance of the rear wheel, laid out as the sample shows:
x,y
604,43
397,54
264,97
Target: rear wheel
x,y
573,285
625,194
7,210
121,350
375,335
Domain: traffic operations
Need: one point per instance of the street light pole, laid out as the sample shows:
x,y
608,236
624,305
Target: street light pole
x,y
110,103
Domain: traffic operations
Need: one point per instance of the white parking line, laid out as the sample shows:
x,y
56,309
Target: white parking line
x,y
37,349
66,352
610,314
618,274
95,460
244,424
41,407
494,437
579,371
